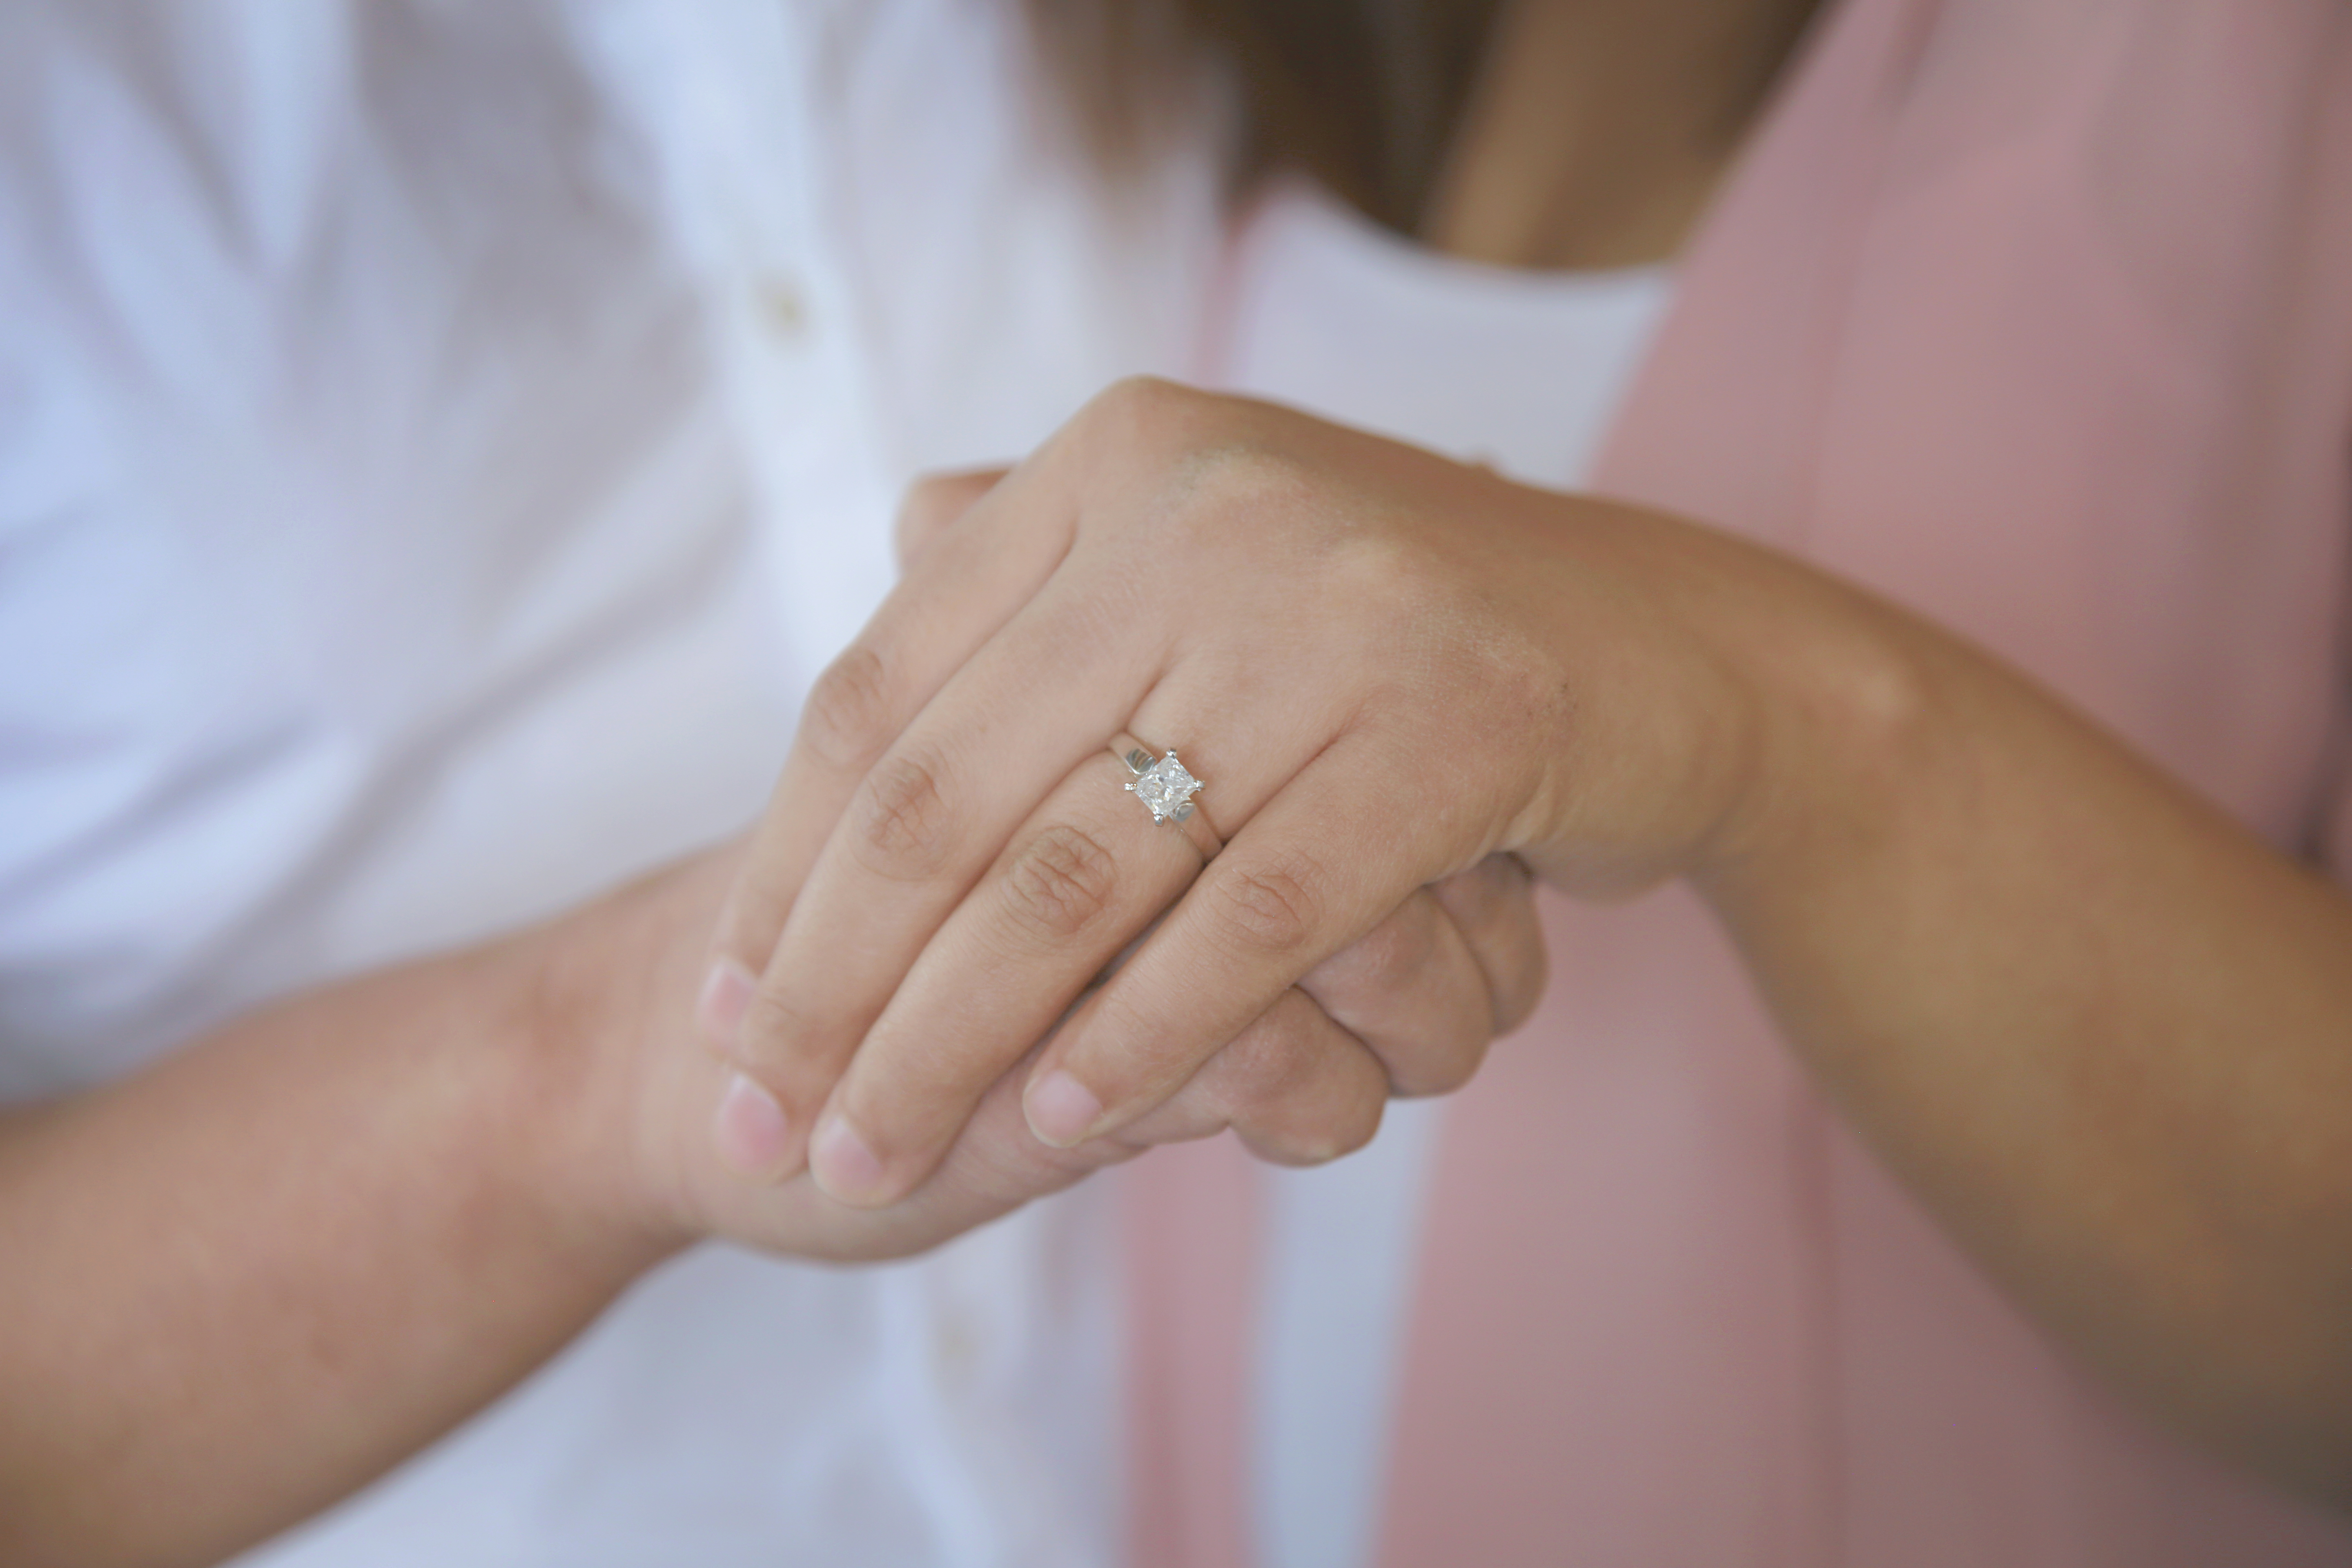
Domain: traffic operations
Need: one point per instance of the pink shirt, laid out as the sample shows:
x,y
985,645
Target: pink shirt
x,y
2035,315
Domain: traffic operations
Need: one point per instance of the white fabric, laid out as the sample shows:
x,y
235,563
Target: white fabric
x,y
1521,371
438,444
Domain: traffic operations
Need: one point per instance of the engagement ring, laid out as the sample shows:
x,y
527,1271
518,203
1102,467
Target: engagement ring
x,y
1167,787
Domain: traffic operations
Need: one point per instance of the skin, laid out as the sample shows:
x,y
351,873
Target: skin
x,y
1599,130
355,1217
527,1126
2097,1026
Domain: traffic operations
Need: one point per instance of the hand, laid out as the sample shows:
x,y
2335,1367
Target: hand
x,y
1965,903
1388,668
1453,965
624,969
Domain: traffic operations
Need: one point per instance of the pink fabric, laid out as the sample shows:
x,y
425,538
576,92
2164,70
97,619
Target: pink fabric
x,y
1191,1216
2036,315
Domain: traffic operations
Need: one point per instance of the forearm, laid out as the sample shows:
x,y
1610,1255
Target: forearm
x,y
2105,1032
242,1283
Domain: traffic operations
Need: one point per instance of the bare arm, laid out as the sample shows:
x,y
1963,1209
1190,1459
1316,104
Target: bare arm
x,y
2106,1032
248,1280
243,1282
239,1285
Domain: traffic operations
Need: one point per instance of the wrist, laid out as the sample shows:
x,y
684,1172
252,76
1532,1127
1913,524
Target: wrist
x,y
1842,700
591,993
1688,688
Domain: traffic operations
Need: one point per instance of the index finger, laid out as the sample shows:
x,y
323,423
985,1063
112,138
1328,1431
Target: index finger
x,y
961,584
934,502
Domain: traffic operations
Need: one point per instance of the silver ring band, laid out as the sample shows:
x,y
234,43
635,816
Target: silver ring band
x,y
1165,787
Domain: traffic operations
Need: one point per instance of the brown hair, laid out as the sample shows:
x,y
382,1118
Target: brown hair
x,y
1363,94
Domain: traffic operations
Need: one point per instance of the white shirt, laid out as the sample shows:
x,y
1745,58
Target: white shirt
x,y
438,445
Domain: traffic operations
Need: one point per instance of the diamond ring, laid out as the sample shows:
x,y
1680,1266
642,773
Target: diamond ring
x,y
1167,787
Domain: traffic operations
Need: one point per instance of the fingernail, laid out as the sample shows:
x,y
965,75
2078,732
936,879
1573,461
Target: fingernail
x,y
1061,1109
750,1129
726,997
842,1164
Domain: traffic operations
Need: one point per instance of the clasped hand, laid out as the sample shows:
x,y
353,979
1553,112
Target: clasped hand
x,y
1403,681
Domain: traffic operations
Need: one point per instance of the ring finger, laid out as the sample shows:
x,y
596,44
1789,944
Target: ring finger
x,y
1086,872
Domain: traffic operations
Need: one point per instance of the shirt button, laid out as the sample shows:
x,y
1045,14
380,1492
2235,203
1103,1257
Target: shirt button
x,y
957,1347
782,305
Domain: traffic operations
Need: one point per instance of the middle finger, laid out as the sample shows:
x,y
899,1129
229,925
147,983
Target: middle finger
x,y
922,826
1080,877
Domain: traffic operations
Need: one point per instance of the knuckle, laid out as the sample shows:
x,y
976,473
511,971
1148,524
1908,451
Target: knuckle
x,y
933,503
1230,483
1192,1112
1394,573
1391,957
1520,986
1435,1066
1140,405
1300,1101
1007,1171
1244,467
1267,1063
1059,882
1165,428
904,829
934,498
777,1033
848,716
1477,899
1342,1135
1217,469
920,516
1274,907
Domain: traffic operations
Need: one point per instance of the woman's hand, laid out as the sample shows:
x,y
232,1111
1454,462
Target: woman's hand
x,y
2097,1026
1389,669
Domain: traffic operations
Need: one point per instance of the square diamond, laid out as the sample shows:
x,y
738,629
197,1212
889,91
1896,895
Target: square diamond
x,y
1165,787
